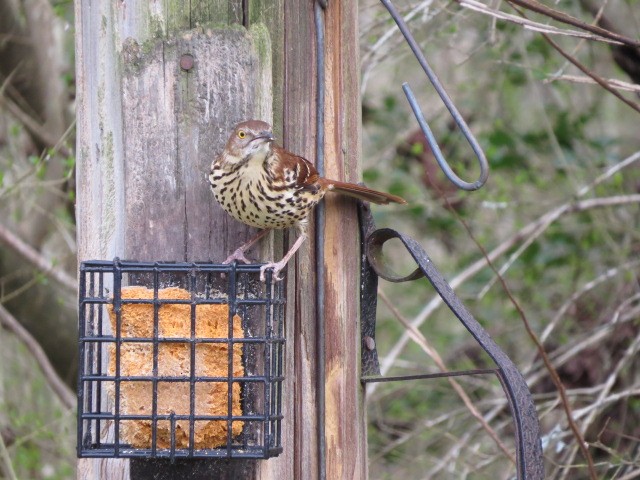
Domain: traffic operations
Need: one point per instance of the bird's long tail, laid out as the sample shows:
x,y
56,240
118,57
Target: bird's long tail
x,y
362,193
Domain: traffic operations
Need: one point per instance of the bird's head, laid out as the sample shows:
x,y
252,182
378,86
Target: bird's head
x,y
248,139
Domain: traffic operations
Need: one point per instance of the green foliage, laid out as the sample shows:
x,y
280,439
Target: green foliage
x,y
37,433
502,148
547,140
42,432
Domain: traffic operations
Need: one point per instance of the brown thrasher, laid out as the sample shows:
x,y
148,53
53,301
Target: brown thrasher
x,y
264,186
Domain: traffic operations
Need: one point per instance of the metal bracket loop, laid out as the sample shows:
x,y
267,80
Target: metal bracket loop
x,y
376,257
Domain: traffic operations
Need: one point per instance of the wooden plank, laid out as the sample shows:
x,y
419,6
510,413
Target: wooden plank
x,y
178,16
271,15
299,137
147,133
345,427
174,123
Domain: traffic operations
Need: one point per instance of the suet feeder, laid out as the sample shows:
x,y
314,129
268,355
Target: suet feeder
x,y
179,360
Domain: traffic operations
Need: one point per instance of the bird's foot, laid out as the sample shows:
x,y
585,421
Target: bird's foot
x,y
282,263
237,255
277,267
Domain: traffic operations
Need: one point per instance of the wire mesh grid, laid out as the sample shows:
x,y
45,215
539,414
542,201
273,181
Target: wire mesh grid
x,y
179,360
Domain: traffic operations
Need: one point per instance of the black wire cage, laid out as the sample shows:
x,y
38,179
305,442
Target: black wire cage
x,y
179,360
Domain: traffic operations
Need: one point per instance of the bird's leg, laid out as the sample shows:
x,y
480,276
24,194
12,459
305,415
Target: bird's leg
x,y
278,266
239,253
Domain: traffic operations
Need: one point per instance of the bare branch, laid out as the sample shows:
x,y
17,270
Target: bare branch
x,y
34,127
37,260
535,228
630,353
536,6
611,273
6,465
420,339
632,475
60,388
597,78
612,82
531,25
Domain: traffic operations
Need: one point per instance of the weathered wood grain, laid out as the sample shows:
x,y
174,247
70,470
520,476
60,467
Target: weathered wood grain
x,y
147,133
299,126
175,123
345,427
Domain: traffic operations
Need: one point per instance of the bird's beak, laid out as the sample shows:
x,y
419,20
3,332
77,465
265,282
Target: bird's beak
x,y
266,135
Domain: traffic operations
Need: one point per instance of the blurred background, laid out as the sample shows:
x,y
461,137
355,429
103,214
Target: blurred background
x,y
558,220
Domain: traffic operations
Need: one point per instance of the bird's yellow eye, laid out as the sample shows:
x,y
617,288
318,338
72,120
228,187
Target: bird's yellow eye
x,y
241,134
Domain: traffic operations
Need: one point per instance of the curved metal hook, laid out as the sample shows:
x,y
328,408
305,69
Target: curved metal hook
x,y
464,128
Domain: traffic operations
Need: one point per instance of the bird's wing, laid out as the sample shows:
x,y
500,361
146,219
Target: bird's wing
x,y
294,170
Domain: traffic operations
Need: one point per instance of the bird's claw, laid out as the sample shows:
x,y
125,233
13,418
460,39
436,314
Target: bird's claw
x,y
277,267
237,255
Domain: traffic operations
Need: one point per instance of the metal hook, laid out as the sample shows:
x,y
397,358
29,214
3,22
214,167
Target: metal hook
x,y
475,146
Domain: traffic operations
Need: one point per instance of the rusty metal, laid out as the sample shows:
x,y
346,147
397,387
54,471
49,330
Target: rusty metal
x,y
527,430
369,364
186,62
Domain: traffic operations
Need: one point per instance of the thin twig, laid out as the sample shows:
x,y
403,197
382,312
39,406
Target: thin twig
x,y
600,401
530,24
423,425
34,128
545,30
553,373
593,337
419,338
604,398
536,6
536,227
36,259
7,297
611,273
5,458
60,388
612,82
566,208
375,54
597,78
631,476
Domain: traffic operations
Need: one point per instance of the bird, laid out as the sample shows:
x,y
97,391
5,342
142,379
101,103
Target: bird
x,y
263,185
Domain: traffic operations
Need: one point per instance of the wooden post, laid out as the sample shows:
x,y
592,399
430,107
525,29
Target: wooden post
x,y
160,84
345,414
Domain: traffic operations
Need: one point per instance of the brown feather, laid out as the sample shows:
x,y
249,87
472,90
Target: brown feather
x,y
307,176
306,173
360,192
